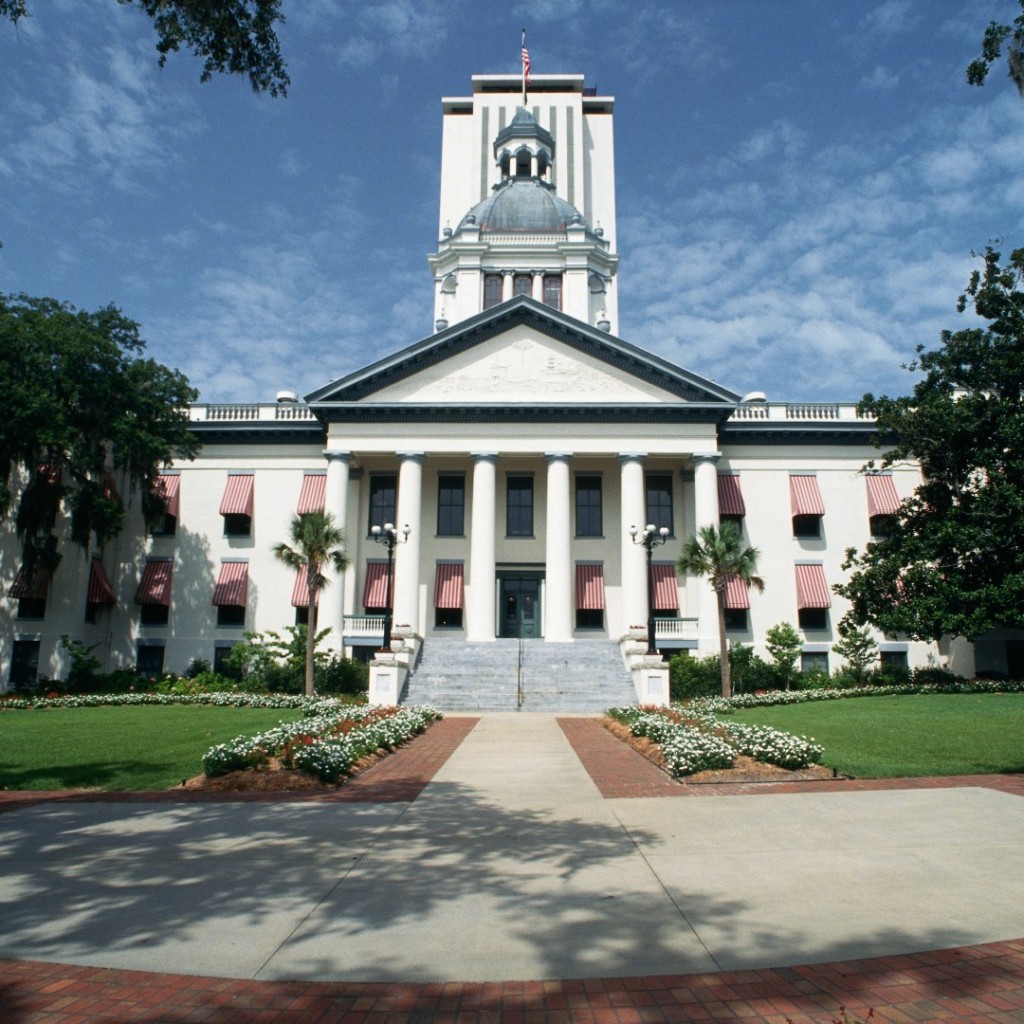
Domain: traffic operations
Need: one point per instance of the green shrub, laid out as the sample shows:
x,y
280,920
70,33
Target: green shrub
x,y
338,675
814,679
924,675
197,667
694,677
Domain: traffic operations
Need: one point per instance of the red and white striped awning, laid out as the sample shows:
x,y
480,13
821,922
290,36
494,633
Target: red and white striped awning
x,y
804,496
882,497
730,497
100,590
300,592
167,487
311,497
30,587
237,500
811,587
737,594
375,593
666,587
448,585
155,585
590,586
232,584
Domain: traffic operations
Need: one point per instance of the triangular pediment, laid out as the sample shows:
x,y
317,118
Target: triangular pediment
x,y
522,352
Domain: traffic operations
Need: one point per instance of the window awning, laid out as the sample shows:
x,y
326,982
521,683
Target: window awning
x,y
237,500
737,594
32,586
730,497
448,585
167,487
375,593
811,587
155,585
804,496
300,592
666,587
882,497
100,590
232,584
590,587
311,497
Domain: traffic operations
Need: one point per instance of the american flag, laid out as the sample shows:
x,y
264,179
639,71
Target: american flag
x,y
526,66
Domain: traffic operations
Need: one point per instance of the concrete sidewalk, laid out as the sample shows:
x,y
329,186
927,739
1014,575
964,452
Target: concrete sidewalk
x,y
510,865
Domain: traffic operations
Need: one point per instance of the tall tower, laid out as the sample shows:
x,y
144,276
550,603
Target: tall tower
x,y
527,200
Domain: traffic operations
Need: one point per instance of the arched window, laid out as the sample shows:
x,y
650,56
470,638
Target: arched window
x,y
522,284
492,290
553,290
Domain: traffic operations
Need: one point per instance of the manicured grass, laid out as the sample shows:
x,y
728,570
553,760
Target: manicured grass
x,y
927,734
119,748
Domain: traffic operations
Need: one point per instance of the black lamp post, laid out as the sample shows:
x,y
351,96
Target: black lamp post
x,y
649,540
389,538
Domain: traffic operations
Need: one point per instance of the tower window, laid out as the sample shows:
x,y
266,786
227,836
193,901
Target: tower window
x,y
492,290
553,290
522,165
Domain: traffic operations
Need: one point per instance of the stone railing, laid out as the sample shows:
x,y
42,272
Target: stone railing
x,y
675,629
267,412
799,411
358,627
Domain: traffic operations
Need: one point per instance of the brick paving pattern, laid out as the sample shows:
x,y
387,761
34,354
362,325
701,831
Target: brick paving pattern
x,y
981,984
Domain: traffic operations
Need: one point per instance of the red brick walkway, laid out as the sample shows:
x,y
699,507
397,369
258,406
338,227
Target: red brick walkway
x,y
970,985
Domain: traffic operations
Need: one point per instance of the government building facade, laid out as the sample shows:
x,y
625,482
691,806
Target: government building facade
x,y
520,450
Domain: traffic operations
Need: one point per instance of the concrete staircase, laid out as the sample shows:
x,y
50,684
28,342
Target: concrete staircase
x,y
584,676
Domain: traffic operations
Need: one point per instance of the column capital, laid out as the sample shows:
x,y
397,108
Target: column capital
x,y
625,457
703,457
333,455
555,456
411,456
484,456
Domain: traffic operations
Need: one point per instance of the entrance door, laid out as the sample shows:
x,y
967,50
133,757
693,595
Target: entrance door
x,y
520,606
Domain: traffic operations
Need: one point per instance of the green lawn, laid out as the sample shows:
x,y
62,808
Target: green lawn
x,y
119,748
929,734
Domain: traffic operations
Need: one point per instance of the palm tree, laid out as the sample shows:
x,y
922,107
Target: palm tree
x,y
316,542
719,555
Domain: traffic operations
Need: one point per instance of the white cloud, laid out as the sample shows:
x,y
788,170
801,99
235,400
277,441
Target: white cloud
x,y
880,80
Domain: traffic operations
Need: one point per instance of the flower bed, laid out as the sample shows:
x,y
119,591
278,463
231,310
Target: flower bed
x,y
693,741
326,744
312,705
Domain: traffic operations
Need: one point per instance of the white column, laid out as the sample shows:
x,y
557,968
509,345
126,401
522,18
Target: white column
x,y
480,624
506,285
558,551
407,555
331,608
538,285
705,502
634,563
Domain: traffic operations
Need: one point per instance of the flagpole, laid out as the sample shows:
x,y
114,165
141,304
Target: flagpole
x,y
526,60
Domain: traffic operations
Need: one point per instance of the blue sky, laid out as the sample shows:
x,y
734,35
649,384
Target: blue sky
x,y
800,182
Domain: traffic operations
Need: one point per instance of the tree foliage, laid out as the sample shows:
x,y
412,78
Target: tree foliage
x,y
784,645
720,555
231,36
953,563
316,542
857,647
991,50
81,398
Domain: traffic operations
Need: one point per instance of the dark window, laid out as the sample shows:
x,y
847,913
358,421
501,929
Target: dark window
x,y
383,491
519,517
230,615
736,619
236,524
220,659
590,618
492,290
451,505
166,526
149,659
883,525
522,284
154,614
588,506
450,618
813,618
814,661
302,616
807,526
31,607
24,664
659,501
894,663
553,290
